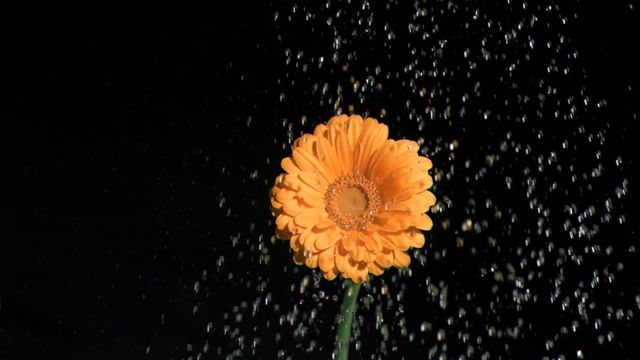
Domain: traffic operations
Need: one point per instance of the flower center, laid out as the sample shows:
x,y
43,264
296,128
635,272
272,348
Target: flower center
x,y
352,201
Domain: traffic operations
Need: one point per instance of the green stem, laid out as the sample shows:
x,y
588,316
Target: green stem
x,y
348,308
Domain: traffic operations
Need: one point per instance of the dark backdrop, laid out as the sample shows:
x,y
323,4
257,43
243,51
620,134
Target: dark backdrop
x,y
136,153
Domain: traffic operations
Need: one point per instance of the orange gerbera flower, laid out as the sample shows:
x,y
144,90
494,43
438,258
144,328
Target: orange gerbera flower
x,y
352,202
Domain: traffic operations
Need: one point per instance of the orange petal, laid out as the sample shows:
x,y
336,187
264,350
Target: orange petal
x,y
308,217
373,136
282,221
394,157
371,243
420,173
408,145
311,199
431,199
426,162
305,141
296,243
333,130
348,268
304,237
397,186
375,269
292,182
398,222
369,256
275,204
424,222
427,182
359,271
284,194
344,154
341,257
326,240
311,238
317,234
385,258
401,259
349,240
357,252
326,260
383,241
400,239
416,238
418,203
399,174
309,163
312,261
313,182
338,122
327,156
319,131
380,159
323,224
330,275
288,166
401,190
294,207
354,129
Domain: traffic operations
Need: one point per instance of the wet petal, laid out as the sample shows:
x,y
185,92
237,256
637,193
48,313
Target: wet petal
x,y
424,222
418,203
308,217
323,224
341,257
312,261
344,154
275,204
294,207
311,199
326,240
416,238
385,258
309,163
313,183
408,145
375,269
288,165
330,275
282,221
359,271
354,129
327,155
397,222
304,236
284,194
357,252
338,122
326,260
371,243
373,136
293,182
400,259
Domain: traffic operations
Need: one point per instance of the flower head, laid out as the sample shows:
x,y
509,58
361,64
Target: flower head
x,y
351,201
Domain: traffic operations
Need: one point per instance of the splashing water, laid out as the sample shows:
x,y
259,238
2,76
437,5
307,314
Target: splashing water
x,y
532,251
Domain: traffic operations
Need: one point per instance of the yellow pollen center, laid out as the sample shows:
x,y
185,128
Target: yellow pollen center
x,y
352,201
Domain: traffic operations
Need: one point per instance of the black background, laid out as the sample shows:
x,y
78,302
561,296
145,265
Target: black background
x,y
136,152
